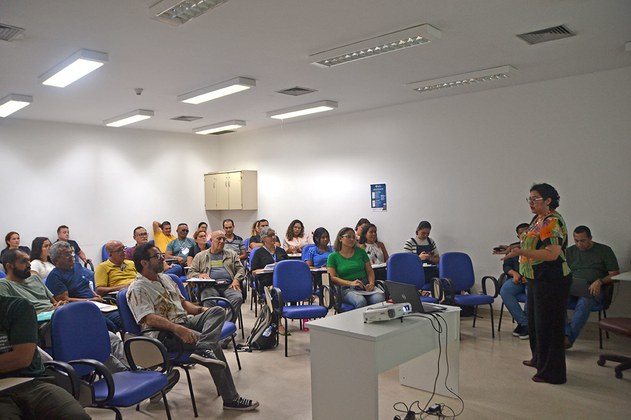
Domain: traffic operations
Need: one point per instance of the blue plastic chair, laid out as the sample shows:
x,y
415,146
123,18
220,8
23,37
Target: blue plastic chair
x,y
2,274
104,254
406,267
456,276
87,352
254,294
305,251
293,284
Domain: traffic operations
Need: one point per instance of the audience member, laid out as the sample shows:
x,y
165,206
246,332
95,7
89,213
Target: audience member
x,y
422,245
317,255
203,226
359,227
375,249
256,241
514,285
180,247
222,265
156,302
593,264
116,272
270,253
37,399
234,242
349,268
256,228
162,234
545,269
142,237
71,282
40,260
295,238
12,239
63,234
201,244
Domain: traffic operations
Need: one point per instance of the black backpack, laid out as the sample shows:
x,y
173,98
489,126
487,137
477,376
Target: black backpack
x,y
264,335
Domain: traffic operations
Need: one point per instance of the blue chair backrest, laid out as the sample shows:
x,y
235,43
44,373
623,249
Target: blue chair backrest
x,y
2,274
252,255
180,285
79,332
127,317
294,279
246,244
406,267
457,267
104,254
305,251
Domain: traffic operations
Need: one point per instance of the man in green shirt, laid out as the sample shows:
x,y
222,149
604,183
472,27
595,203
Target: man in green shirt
x,y
19,358
595,264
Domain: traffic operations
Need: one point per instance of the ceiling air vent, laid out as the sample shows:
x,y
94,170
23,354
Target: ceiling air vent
x,y
296,91
186,118
9,33
548,34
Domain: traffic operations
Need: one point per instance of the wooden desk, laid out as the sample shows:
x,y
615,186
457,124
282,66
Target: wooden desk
x,y
348,355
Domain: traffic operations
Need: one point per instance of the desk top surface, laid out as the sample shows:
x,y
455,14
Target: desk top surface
x,y
8,383
351,323
626,276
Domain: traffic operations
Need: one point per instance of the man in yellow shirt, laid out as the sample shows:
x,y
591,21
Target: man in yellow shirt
x,y
116,272
162,235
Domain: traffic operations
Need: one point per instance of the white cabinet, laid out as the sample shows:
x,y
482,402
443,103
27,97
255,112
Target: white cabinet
x,y
235,190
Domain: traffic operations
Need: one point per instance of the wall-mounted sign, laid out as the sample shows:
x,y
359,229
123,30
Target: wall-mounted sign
x,y
378,199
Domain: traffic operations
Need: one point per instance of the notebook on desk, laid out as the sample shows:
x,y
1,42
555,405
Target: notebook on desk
x,y
407,293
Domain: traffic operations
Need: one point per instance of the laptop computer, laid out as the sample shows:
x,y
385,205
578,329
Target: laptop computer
x,y
407,293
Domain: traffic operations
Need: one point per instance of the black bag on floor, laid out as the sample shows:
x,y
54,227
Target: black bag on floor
x,y
264,335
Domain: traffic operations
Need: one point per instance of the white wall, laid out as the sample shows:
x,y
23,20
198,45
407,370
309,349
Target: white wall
x,y
100,181
465,163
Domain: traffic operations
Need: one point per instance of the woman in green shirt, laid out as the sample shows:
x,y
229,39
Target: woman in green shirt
x,y
349,267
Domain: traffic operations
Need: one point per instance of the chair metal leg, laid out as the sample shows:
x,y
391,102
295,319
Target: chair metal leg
x,y
236,353
166,405
190,390
119,416
475,314
492,321
286,334
499,324
241,324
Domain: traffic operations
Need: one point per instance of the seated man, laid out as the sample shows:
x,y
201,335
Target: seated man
x,y
222,265
594,264
142,237
234,242
514,286
20,283
19,357
256,240
63,234
180,247
162,234
70,282
156,302
116,272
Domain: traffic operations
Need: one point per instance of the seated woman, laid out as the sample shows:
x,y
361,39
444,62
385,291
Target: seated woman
x,y
40,260
295,239
368,241
349,268
359,227
269,253
317,255
12,239
200,245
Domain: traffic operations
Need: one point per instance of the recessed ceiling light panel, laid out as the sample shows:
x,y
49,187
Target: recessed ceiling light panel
x,y
300,110
73,68
13,103
393,41
464,79
218,127
129,118
238,84
177,12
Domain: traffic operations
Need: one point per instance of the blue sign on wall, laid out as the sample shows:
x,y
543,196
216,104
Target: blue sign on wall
x,y
378,199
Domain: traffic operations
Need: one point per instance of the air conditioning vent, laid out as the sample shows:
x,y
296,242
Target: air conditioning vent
x,y
296,91
9,33
548,34
186,118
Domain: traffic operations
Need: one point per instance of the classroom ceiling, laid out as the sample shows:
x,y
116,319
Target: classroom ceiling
x,y
271,40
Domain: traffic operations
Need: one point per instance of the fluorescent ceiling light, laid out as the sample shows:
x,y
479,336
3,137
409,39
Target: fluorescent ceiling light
x,y
129,118
222,126
393,41
12,103
181,11
465,79
74,68
218,90
300,110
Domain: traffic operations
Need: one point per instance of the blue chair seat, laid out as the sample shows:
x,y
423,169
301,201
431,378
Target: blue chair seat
x,y
227,330
473,300
429,299
130,385
304,311
521,297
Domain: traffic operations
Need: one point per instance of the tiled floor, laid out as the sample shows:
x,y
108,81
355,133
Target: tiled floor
x,y
493,382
